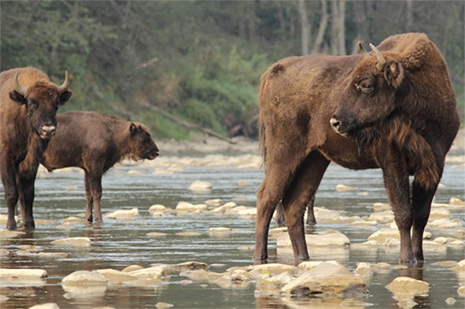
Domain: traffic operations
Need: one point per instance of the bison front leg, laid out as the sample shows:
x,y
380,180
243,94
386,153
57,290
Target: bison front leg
x,y
421,202
11,193
396,181
26,201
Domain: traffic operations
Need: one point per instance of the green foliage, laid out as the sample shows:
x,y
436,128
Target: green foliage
x,y
200,61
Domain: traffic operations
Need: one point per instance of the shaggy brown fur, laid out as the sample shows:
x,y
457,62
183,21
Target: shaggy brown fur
x,y
27,122
95,142
400,116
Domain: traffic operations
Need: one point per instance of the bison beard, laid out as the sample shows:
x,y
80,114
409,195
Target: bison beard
x,y
397,132
392,109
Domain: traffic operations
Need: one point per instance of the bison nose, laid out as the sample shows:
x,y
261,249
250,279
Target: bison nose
x,y
47,131
335,124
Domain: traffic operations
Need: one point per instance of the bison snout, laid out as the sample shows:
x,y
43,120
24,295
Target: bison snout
x,y
335,124
46,132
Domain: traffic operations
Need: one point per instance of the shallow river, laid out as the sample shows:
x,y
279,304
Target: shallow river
x,y
119,243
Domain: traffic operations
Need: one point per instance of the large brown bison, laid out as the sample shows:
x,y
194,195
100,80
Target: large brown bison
x,y
392,109
28,106
95,142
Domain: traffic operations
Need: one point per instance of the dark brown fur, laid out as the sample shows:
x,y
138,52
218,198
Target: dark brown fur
x,y
95,142
404,123
22,139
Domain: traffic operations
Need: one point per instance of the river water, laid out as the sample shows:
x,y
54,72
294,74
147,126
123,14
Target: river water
x,y
119,243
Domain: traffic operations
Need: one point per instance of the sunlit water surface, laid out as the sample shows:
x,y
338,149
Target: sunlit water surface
x,y
118,244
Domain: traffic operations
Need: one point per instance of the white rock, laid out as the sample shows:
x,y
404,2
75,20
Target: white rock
x,y
343,188
186,206
45,306
199,185
326,238
157,207
406,286
73,241
151,272
115,276
456,201
446,223
327,279
84,278
9,234
213,202
382,216
6,273
121,214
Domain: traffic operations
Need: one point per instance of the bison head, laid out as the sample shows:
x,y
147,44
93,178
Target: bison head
x,y
41,101
371,94
141,143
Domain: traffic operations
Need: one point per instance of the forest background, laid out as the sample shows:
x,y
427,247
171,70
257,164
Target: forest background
x,y
183,66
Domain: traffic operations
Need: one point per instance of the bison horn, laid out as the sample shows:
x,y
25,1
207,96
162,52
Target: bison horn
x,y
381,60
363,52
18,87
65,84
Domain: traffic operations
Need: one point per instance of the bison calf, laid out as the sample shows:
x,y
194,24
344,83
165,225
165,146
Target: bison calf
x,y
95,142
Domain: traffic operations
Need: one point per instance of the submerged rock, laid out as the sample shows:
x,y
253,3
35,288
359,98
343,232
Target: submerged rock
x,y
84,278
343,188
405,289
326,279
201,186
18,274
73,241
114,276
123,214
325,238
45,306
186,206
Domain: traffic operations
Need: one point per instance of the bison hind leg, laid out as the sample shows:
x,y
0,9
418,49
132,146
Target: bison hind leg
x,y
299,193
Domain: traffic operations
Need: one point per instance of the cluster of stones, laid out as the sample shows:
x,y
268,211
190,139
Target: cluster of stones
x,y
328,280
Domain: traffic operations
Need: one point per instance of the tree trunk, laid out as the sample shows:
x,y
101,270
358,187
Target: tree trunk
x,y
409,13
362,25
322,28
304,26
341,27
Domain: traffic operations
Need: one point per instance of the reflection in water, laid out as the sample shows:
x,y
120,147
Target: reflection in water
x,y
117,244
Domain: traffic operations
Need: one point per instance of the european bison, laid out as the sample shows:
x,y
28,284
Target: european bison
x,y
28,106
95,142
392,109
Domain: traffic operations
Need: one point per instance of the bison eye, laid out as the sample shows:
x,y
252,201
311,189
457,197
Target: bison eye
x,y
367,88
33,103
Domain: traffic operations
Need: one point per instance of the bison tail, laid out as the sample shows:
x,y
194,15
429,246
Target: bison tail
x,y
261,120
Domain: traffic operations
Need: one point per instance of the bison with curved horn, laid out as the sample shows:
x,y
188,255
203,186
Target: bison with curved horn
x,y
393,109
28,106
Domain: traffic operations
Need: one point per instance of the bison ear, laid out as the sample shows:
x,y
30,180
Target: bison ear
x,y
394,73
17,97
64,97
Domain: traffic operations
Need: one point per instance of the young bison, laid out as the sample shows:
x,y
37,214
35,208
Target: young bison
x,y
95,142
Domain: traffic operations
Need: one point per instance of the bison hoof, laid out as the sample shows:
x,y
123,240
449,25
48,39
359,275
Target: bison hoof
x,y
29,226
11,226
